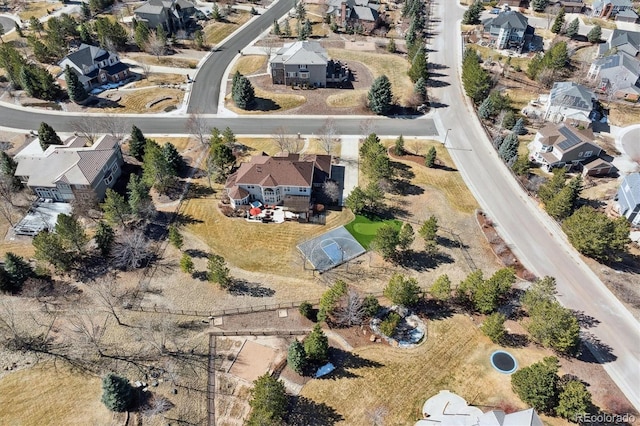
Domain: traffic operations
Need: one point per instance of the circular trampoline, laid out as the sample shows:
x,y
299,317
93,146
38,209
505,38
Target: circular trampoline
x,y
504,362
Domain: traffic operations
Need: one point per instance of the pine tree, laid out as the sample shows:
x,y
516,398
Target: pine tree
x,y
142,34
156,170
420,89
75,89
19,30
17,269
296,357
595,34
558,23
380,95
268,402
137,143
71,233
399,146
301,12
304,30
175,237
316,346
472,14
430,157
486,109
48,136
104,238
115,207
173,157
275,28
244,96
287,29
117,393
493,327
539,5
572,29
509,120
218,272
138,193
518,128
476,80
198,39
8,168
405,236
509,148
419,66
441,288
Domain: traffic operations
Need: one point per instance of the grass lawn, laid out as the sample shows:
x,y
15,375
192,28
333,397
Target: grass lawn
x,y
520,97
218,31
455,356
624,114
155,79
349,99
44,394
166,61
37,9
393,66
487,52
364,229
136,101
249,64
268,102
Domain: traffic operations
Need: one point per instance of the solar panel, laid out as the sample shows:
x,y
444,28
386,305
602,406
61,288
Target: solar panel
x,y
571,139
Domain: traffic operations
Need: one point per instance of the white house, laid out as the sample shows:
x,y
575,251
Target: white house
x,y
569,100
628,198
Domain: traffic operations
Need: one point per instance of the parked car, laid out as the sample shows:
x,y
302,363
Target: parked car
x,y
495,11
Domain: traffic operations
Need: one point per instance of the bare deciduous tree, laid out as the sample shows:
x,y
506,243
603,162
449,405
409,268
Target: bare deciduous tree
x,y
331,190
329,136
415,145
131,250
113,125
7,200
350,310
146,69
86,206
89,129
367,127
197,125
155,405
155,45
376,415
90,329
110,296
282,139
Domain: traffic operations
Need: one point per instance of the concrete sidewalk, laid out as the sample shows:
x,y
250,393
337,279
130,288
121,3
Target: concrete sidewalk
x,y
349,153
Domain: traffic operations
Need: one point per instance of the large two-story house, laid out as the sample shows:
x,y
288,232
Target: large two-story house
x,y
95,66
352,13
172,15
74,170
510,29
570,101
621,41
617,75
563,145
628,198
305,62
287,180
612,8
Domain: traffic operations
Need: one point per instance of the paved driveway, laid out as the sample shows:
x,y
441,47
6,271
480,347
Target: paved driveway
x,y
349,149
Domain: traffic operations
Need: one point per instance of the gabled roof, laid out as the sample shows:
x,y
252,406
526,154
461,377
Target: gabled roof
x,y
72,163
628,41
633,181
508,20
628,13
565,137
570,94
87,55
301,53
597,5
156,7
364,13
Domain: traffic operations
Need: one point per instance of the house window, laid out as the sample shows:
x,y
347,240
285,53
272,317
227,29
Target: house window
x,y
291,74
108,179
580,154
103,78
588,153
302,67
114,167
116,77
303,189
303,74
63,185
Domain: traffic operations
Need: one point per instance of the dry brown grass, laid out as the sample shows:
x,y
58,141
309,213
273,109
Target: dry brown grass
x,y
455,356
37,9
249,64
520,97
180,143
604,23
155,79
268,102
450,182
256,247
165,61
136,101
44,394
218,31
623,114
486,52
350,99
393,66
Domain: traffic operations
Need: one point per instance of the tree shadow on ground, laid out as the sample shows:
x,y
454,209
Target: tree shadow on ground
x,y
91,267
421,261
197,253
345,362
245,288
198,191
591,342
199,275
402,171
585,320
514,340
306,412
446,168
405,187
629,263
185,219
433,309
264,104
450,242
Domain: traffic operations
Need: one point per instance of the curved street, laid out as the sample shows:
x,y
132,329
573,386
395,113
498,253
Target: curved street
x,y
534,237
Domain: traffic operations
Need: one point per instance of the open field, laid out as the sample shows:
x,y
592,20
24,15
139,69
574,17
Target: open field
x,y
156,79
364,229
136,101
393,66
215,32
520,97
60,396
37,9
604,23
352,98
249,64
268,102
455,356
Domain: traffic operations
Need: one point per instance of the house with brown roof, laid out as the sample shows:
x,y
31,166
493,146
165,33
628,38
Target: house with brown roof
x,y
287,180
73,170
563,145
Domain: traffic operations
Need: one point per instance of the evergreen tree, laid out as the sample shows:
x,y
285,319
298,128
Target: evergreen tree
x,y
518,128
8,168
296,356
430,157
558,23
380,95
405,236
562,205
301,12
175,237
441,288
216,15
75,89
399,146
429,232
142,34
386,241
472,14
287,29
186,263
161,34
537,384
268,402
419,66
402,290
6,285
420,89
18,29
104,238
275,28
198,39
595,34
137,143
244,96
485,110
539,5
553,186
17,271
476,80
173,157
218,272
391,45
304,30
509,148
86,11
85,33
48,136
117,393
509,120
572,29
115,207
138,194
594,234
71,233
493,327
156,170
574,399
51,249
316,346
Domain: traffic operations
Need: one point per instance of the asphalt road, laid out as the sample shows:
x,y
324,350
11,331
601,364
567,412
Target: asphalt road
x,y
535,238
630,140
206,88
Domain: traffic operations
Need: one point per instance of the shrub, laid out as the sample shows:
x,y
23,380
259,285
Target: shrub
x,y
371,306
306,310
296,357
389,324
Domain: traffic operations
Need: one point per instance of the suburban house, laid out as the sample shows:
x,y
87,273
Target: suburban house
x,y
353,13
598,167
73,170
621,41
287,180
447,408
306,62
574,6
610,8
95,66
563,145
510,29
628,198
617,75
172,15
570,101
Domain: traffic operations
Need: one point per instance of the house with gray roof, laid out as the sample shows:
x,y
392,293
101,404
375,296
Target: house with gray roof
x,y
628,198
621,41
563,145
353,13
570,101
172,15
287,180
618,75
95,66
510,29
73,170
610,8
305,62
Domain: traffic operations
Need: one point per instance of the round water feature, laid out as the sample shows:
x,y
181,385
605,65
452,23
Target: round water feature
x,y
504,362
